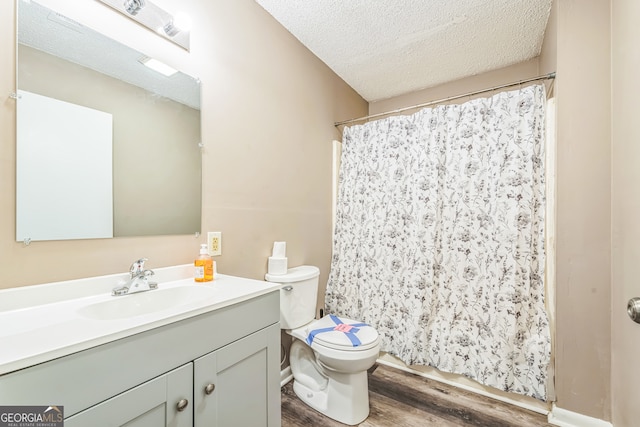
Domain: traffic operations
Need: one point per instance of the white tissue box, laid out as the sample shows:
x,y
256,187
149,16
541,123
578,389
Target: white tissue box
x,y
277,265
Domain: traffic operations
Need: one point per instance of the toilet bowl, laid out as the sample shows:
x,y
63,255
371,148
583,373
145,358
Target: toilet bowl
x,y
329,357
330,375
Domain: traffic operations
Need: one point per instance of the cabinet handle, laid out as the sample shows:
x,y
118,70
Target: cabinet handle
x,y
209,388
182,404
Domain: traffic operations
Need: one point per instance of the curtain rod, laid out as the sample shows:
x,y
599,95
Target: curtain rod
x,y
451,98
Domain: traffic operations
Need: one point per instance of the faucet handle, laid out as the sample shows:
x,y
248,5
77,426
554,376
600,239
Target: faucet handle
x,y
137,267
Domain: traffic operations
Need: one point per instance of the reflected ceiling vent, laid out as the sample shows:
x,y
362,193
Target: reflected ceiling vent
x,y
64,21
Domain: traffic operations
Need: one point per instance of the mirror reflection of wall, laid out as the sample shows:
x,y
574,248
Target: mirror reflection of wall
x,y
156,135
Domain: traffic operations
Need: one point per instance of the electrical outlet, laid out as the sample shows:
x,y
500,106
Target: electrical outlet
x,y
214,242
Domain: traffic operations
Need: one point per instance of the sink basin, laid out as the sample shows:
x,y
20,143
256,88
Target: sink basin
x,y
125,306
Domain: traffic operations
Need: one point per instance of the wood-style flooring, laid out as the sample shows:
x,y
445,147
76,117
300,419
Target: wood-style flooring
x,y
402,399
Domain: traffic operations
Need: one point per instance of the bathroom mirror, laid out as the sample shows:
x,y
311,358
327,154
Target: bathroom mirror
x,y
101,138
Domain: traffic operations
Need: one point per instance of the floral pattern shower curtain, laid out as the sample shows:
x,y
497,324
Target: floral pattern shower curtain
x,y
439,238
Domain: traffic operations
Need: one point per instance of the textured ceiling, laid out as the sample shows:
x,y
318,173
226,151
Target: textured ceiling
x,y
385,48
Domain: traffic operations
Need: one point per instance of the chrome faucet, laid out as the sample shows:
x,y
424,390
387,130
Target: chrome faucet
x,y
138,280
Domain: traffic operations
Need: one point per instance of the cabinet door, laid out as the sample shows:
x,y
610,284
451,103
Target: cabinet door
x,y
152,404
239,384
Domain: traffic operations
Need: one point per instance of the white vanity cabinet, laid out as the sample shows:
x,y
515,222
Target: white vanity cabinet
x,y
221,368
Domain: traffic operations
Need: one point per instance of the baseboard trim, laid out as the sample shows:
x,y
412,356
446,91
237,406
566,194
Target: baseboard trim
x,y
563,418
285,376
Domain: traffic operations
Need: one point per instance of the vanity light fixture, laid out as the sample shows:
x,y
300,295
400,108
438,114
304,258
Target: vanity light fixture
x,y
180,22
158,66
170,29
133,6
173,28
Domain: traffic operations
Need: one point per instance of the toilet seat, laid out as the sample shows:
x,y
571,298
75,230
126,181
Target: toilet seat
x,y
341,333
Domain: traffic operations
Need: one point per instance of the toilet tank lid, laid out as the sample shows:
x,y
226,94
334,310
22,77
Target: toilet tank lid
x,y
296,274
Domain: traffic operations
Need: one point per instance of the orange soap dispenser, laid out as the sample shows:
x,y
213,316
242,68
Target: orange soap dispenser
x,y
204,265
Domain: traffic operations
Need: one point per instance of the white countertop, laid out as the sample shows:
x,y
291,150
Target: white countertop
x,y
44,322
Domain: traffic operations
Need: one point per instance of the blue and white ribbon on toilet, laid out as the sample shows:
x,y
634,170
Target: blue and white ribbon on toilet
x,y
349,330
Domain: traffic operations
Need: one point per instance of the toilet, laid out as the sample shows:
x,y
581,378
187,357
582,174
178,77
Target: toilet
x,y
329,357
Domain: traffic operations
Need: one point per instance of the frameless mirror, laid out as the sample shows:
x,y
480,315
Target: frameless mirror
x,y
106,147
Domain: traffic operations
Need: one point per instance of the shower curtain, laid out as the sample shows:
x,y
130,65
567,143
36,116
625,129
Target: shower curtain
x,y
439,238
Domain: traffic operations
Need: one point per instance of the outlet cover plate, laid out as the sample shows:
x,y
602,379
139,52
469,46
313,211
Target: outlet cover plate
x,y
214,243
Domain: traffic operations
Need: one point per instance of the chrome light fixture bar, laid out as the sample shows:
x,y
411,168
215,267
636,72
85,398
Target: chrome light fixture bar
x,y
175,29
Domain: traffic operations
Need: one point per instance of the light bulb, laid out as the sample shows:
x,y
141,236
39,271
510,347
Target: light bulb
x,y
182,21
133,6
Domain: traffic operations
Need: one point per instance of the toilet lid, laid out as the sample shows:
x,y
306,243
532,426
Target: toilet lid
x,y
342,333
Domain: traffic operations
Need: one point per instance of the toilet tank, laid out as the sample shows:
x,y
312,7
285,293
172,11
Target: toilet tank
x,y
298,295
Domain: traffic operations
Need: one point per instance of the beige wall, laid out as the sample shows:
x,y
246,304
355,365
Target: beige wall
x,y
482,81
548,59
268,111
625,210
583,297
156,158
